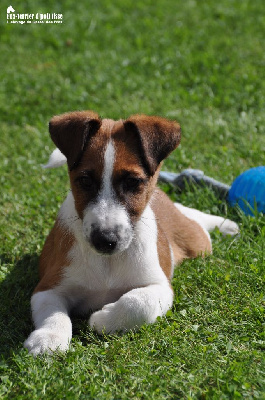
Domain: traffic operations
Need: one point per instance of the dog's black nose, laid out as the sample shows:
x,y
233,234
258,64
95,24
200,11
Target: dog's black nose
x,y
104,241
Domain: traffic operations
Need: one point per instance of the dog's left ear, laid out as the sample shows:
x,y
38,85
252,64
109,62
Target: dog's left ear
x,y
71,132
158,138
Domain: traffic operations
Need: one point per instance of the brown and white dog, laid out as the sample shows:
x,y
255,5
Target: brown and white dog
x,y
117,237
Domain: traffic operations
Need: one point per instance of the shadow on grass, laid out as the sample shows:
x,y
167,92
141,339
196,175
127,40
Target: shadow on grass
x,y
15,293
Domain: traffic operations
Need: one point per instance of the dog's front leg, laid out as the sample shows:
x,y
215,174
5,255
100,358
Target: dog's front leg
x,y
53,325
133,309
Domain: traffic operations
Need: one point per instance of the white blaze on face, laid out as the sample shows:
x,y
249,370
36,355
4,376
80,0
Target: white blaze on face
x,y
109,158
106,215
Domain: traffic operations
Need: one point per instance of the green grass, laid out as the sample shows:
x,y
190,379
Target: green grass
x,y
201,63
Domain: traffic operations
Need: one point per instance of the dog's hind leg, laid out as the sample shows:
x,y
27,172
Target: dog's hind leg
x,y
209,222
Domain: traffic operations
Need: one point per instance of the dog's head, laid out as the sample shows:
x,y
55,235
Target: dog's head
x,y
113,168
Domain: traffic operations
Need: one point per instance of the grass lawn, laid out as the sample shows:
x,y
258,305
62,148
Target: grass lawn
x,y
200,62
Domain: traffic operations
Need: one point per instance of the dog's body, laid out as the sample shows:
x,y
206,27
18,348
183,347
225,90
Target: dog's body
x,y
117,237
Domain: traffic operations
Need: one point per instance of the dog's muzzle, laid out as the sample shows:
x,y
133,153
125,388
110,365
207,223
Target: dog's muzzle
x,y
107,228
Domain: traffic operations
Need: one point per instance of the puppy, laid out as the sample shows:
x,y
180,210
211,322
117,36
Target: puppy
x,y
112,250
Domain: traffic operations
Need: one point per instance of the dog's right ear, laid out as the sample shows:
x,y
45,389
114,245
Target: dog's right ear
x,y
157,136
71,132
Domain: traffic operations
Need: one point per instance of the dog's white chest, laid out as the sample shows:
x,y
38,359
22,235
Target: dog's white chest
x,y
92,280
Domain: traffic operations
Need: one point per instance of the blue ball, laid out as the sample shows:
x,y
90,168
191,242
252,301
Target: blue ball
x,y
249,188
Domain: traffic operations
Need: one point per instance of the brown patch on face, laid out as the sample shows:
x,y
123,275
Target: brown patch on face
x,y
54,257
86,179
132,185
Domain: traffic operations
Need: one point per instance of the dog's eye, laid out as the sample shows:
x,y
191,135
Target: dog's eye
x,y
86,182
131,184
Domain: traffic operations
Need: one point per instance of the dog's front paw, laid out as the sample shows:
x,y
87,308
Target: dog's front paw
x,y
229,227
46,341
104,320
133,309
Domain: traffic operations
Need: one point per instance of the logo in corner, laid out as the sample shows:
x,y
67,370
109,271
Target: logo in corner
x,y
28,18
